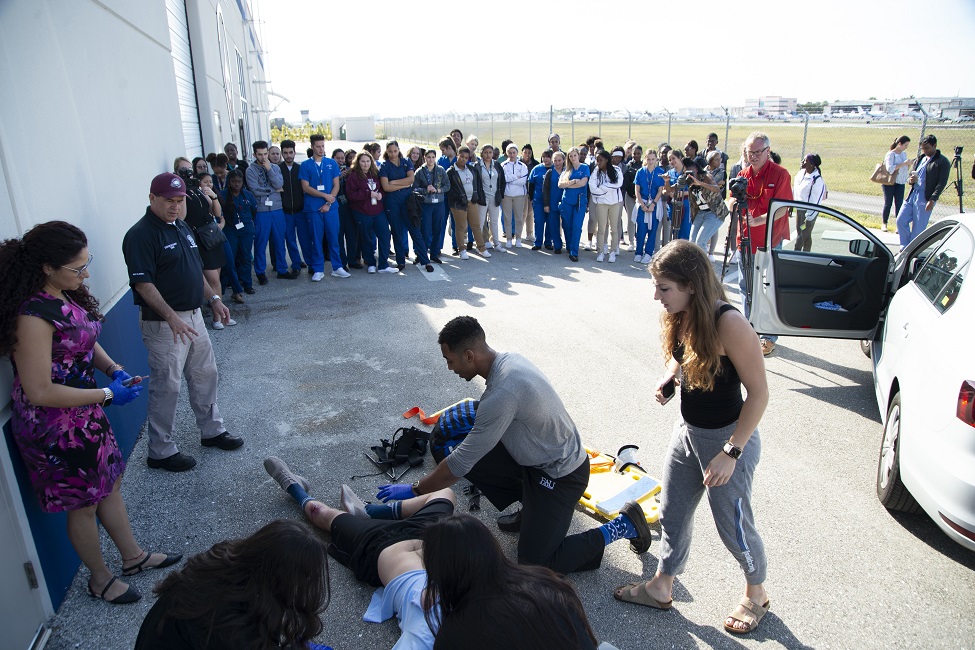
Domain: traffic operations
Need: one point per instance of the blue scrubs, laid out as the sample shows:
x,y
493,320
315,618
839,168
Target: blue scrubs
x,y
536,181
399,222
317,225
573,209
913,218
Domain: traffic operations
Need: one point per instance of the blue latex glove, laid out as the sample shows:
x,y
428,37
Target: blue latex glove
x,y
124,394
395,492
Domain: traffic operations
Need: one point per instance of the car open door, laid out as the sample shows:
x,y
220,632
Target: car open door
x,y
837,289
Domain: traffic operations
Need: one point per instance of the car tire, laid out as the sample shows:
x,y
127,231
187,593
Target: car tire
x,y
865,347
891,491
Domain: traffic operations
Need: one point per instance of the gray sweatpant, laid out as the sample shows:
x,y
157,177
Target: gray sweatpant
x,y
691,450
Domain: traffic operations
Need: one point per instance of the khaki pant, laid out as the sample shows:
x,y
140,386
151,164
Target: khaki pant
x,y
628,204
169,362
464,218
513,206
529,220
605,216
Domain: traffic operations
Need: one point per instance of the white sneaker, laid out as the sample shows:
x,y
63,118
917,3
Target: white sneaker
x,y
711,257
486,253
585,246
637,257
600,258
645,259
612,257
341,273
631,247
883,228
351,502
465,256
517,243
371,269
231,322
217,325
389,269
486,245
734,258
508,244
317,277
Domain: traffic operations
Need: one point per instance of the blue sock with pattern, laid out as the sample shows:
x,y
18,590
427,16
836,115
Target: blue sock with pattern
x,y
619,528
299,495
389,510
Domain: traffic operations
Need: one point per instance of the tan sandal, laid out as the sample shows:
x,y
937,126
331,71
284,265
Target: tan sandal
x,y
643,597
748,612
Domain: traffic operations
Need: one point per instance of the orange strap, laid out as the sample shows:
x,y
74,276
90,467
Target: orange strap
x,y
424,418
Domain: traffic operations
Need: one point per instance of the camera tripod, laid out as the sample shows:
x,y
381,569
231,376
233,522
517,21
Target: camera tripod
x,y
958,183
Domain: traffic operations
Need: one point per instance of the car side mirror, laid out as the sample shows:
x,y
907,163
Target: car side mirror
x,y
861,247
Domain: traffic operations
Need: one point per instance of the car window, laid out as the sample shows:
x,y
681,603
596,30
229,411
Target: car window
x,y
922,253
817,232
944,271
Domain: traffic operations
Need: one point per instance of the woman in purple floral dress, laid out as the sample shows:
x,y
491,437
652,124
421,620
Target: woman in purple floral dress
x,y
49,324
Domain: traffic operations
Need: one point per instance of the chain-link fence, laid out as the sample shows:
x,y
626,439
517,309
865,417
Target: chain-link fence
x,y
850,148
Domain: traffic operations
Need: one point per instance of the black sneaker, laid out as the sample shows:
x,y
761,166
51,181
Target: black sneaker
x,y
634,512
355,265
303,265
536,248
574,258
250,290
436,260
287,276
548,247
178,462
510,523
224,441
261,279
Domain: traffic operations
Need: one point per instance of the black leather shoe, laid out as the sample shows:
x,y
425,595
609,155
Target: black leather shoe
x,y
548,247
558,251
634,512
355,265
178,462
303,265
510,523
287,276
261,279
574,258
250,291
224,441
536,248
436,260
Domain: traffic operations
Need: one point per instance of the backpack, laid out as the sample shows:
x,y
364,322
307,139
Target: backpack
x,y
452,428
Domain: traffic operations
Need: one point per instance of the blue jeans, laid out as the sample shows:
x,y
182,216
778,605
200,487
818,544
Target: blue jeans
x,y
705,225
912,219
572,218
269,226
291,238
240,257
371,229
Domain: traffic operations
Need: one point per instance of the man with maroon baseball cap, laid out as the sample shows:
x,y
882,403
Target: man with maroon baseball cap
x,y
166,275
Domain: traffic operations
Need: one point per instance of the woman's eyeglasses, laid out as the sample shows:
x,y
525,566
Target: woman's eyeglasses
x,y
83,268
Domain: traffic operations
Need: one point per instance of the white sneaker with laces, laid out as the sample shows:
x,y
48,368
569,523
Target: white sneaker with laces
x,y
883,228
631,247
637,257
341,273
487,244
371,269
389,269
645,259
486,253
517,243
600,258
317,277
508,244
465,256
612,257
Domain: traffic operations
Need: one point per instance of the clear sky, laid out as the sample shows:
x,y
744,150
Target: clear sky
x,y
392,58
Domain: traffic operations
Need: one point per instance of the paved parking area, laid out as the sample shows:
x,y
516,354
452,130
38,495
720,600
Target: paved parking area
x,y
317,372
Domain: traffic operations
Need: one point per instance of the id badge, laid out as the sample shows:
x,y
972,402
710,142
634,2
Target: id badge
x,y
239,226
434,199
268,202
320,188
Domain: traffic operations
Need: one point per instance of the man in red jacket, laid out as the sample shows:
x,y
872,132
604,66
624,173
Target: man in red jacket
x,y
766,181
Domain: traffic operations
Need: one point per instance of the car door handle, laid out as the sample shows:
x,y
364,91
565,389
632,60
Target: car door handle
x,y
835,264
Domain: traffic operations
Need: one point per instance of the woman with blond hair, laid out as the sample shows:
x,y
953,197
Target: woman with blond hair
x,y
573,181
712,352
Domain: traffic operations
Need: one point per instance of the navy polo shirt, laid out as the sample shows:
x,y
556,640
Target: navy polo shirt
x,y
165,255
397,172
318,174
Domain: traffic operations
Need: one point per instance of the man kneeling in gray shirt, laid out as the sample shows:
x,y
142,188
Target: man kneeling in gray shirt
x,y
524,447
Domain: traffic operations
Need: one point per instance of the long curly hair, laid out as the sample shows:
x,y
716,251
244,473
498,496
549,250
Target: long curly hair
x,y
273,583
687,265
22,261
467,570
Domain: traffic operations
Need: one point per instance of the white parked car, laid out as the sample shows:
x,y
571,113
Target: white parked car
x,y
917,311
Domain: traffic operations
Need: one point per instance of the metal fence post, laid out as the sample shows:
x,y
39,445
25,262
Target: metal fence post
x,y
600,114
551,116
727,126
573,137
492,128
529,127
509,125
670,119
629,125
805,131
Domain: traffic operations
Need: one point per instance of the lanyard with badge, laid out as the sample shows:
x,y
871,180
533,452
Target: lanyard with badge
x,y
321,175
267,183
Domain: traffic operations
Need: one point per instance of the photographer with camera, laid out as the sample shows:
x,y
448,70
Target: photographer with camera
x,y
675,189
764,181
927,180
707,208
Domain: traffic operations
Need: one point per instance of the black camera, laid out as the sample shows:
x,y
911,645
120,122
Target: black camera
x,y
186,174
738,186
958,151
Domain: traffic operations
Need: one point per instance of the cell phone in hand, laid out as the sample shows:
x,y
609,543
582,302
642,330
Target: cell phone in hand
x,y
668,390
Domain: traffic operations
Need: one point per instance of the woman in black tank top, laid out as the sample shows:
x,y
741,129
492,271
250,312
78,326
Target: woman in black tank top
x,y
712,351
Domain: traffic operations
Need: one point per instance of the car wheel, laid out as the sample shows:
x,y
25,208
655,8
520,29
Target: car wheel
x,y
865,347
891,491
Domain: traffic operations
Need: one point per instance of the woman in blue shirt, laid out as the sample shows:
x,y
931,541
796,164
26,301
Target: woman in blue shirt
x,y
574,180
647,184
396,176
551,202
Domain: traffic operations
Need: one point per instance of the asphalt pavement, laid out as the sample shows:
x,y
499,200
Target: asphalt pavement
x,y
317,372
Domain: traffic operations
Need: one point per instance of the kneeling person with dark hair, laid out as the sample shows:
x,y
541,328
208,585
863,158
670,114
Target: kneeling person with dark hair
x,y
524,447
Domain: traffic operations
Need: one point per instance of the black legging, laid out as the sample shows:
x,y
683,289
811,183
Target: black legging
x,y
893,194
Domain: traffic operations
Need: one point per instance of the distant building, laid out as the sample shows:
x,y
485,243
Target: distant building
x,y
278,123
771,105
936,107
304,116
354,128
